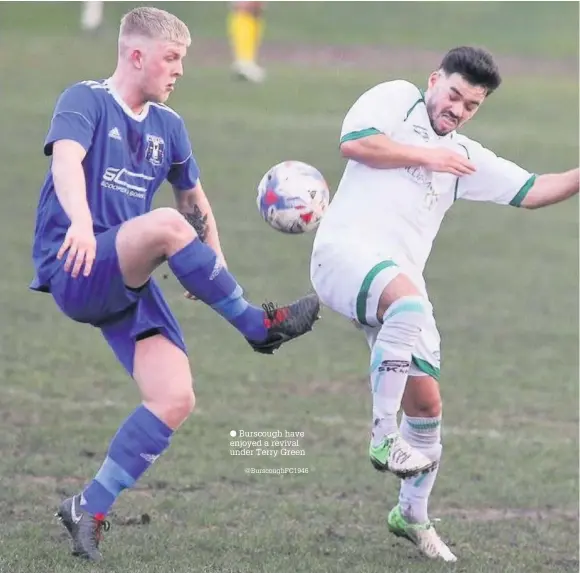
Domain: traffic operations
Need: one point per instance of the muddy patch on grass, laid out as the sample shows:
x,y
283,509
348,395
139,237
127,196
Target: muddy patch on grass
x,y
485,514
387,58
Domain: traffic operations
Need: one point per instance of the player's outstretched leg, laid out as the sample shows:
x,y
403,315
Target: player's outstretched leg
x,y
421,428
163,375
163,234
404,312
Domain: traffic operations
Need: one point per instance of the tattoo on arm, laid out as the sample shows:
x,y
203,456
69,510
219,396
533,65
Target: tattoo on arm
x,y
198,221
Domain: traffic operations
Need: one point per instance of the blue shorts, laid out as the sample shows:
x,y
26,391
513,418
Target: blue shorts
x,y
102,299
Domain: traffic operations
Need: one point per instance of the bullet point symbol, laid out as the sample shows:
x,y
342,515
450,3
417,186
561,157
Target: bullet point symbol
x,y
233,434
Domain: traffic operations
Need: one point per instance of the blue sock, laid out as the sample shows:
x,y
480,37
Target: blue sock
x,y
196,268
140,440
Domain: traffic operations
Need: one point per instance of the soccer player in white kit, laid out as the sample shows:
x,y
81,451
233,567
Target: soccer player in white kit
x,y
407,165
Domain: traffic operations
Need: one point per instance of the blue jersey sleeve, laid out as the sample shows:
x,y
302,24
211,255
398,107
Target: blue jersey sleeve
x,y
184,171
75,117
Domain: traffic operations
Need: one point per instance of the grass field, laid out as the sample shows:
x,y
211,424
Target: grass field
x,y
504,284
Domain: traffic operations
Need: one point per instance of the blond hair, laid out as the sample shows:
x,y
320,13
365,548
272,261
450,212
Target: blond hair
x,y
154,24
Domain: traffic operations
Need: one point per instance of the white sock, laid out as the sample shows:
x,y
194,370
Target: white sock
x,y
390,361
92,14
423,434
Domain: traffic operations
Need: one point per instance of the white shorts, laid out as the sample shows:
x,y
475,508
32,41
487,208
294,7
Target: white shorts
x,y
350,279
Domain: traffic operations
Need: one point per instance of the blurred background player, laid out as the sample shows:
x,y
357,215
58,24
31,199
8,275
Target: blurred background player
x,y
245,27
91,15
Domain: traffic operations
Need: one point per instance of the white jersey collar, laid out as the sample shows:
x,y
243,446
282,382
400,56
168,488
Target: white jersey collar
x,y
137,117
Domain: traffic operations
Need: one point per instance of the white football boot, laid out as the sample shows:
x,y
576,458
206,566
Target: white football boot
x,y
249,71
423,535
395,455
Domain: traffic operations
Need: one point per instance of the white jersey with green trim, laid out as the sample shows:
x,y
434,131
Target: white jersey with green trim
x,y
402,209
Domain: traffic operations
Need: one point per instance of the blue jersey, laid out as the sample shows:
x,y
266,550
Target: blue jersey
x,y
128,157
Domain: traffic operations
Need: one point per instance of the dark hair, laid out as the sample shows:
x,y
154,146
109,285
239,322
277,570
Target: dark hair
x,y
476,65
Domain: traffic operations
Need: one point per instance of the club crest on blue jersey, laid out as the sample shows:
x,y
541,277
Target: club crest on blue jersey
x,y
155,149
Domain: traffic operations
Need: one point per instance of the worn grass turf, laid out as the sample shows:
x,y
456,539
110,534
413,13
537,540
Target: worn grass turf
x,y
503,282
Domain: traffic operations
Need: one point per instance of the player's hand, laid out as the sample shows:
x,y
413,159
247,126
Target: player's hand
x,y
189,296
81,244
447,161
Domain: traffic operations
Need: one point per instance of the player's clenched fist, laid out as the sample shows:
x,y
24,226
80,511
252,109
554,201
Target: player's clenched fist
x,y
447,161
81,244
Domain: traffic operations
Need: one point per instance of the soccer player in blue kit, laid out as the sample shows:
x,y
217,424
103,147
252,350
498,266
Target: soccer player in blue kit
x,y
97,242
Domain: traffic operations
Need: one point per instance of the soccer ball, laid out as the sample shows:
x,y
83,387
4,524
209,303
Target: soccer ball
x,y
292,197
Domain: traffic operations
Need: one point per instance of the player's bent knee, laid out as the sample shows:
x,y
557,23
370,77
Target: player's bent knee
x,y
175,408
422,398
172,228
182,405
401,287
431,409
413,309
169,220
